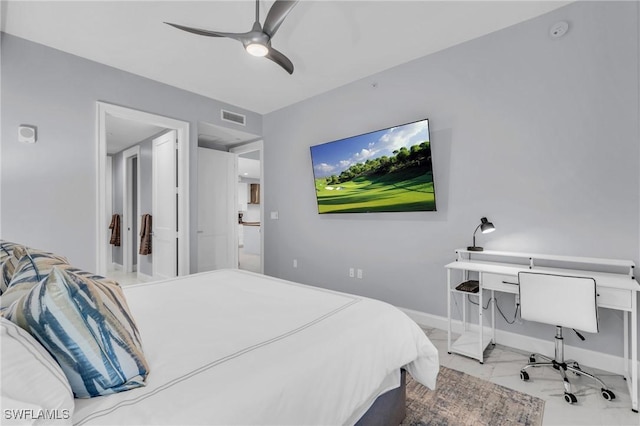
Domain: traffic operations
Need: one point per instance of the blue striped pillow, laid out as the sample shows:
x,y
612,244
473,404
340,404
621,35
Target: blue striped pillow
x,y
32,267
6,249
10,254
86,326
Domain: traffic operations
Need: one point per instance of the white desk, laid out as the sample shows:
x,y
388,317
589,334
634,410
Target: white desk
x,y
498,271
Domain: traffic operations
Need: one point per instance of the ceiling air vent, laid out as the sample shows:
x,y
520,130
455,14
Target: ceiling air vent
x,y
233,117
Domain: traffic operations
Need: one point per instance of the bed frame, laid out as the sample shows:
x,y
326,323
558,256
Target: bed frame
x,y
389,408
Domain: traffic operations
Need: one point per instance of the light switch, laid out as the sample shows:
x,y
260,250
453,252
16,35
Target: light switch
x,y
274,215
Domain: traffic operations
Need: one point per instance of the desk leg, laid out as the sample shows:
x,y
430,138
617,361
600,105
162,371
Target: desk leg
x,y
465,277
493,318
627,353
480,328
449,310
634,353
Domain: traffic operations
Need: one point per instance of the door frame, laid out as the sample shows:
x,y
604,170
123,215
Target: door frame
x,y
182,134
109,205
243,149
127,201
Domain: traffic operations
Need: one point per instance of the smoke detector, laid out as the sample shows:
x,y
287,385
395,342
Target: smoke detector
x,y
558,29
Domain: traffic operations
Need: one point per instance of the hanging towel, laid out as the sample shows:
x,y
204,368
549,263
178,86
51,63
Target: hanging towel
x,y
115,230
145,234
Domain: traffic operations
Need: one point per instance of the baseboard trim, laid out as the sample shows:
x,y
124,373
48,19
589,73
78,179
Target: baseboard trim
x,y
587,357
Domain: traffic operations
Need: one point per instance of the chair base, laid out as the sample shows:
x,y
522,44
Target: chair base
x,y
561,366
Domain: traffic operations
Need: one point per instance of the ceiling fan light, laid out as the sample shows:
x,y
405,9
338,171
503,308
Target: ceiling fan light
x,y
257,49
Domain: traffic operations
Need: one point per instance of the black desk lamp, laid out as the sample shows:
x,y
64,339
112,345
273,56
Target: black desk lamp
x,y
486,227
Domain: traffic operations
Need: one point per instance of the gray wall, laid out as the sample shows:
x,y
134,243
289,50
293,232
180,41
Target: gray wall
x,y
539,135
48,189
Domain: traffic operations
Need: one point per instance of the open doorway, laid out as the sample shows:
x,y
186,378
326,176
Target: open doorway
x,y
130,169
250,206
135,197
245,215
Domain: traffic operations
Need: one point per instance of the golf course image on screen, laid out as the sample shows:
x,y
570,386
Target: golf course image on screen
x,y
388,170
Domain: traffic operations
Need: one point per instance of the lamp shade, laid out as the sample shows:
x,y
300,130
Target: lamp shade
x,y
485,227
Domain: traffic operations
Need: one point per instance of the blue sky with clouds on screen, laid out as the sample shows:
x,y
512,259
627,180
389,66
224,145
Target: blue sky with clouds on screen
x,y
334,157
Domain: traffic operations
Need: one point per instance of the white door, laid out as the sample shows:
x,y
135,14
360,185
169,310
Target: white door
x,y
217,210
164,244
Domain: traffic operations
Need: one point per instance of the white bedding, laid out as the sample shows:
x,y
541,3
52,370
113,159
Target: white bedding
x,y
232,347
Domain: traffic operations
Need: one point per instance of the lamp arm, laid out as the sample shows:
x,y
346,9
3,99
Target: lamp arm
x,y
474,234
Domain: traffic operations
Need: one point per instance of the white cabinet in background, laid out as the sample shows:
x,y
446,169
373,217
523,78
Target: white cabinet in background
x,y
252,239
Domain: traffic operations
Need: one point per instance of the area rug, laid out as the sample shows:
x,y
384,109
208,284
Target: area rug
x,y
461,399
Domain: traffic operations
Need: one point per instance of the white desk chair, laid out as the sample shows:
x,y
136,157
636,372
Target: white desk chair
x,y
563,301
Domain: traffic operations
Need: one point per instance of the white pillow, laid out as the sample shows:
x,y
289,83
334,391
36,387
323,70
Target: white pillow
x,y
34,388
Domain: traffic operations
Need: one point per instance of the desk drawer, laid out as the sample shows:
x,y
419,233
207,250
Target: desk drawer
x,y
614,298
500,282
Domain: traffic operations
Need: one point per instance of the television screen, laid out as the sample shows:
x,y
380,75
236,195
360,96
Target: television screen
x,y
384,171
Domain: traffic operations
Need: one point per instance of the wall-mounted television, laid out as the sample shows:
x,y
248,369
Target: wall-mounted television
x,y
388,170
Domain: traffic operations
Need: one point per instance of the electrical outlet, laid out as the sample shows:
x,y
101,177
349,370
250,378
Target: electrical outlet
x,y
351,273
360,273
295,263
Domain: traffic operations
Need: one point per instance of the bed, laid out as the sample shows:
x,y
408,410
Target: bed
x,y
233,347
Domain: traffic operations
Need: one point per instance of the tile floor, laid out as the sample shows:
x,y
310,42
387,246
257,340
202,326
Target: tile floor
x,y
502,366
248,261
124,278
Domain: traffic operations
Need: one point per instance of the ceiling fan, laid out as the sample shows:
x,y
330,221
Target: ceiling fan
x,y
257,41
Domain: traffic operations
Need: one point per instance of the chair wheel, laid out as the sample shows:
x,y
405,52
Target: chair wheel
x,y
524,376
570,398
607,394
532,359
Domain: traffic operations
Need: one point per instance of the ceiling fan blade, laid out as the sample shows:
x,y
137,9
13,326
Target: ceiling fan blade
x,y
280,59
235,36
276,15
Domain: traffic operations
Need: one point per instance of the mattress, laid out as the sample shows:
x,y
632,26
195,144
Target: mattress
x,y
233,347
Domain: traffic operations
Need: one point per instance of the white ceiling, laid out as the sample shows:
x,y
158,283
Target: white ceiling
x,y
212,135
123,133
248,168
330,43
